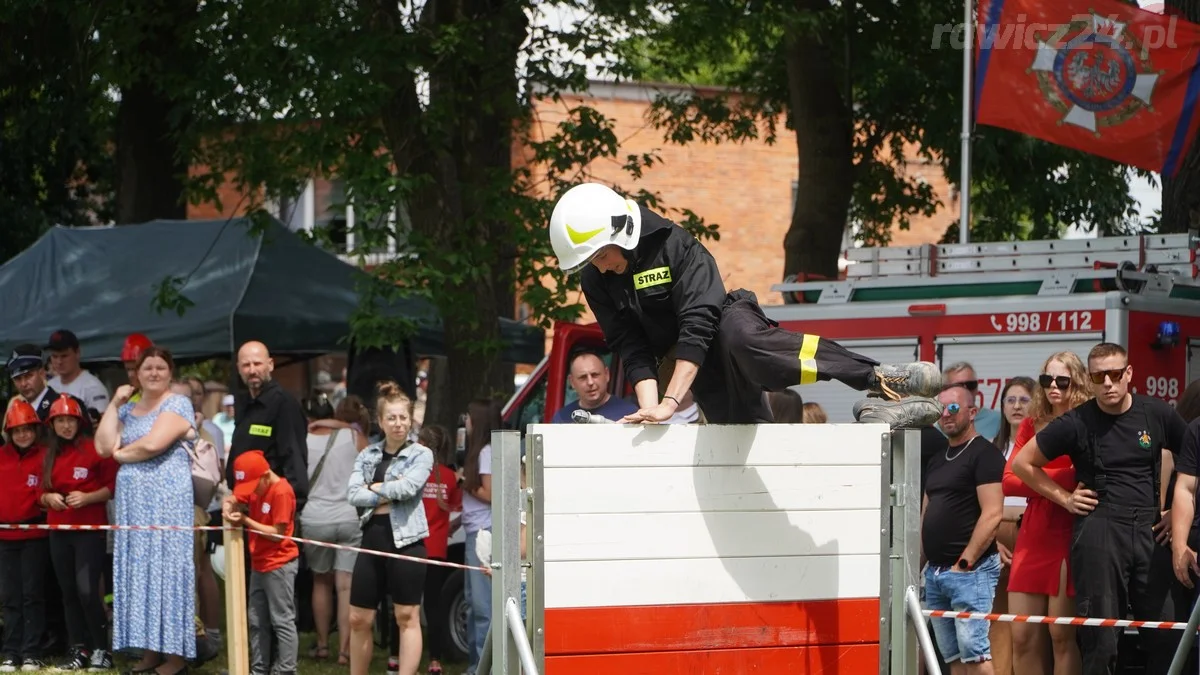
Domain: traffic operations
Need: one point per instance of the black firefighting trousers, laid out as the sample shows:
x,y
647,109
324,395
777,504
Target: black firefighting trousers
x,y
752,355
1118,568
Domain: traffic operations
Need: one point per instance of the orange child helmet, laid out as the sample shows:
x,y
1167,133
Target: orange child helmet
x,y
65,406
135,344
19,414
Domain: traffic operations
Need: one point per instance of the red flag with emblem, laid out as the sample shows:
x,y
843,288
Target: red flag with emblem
x,y
1100,76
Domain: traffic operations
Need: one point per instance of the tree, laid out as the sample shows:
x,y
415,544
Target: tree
x,y
152,56
415,109
1181,192
862,95
54,165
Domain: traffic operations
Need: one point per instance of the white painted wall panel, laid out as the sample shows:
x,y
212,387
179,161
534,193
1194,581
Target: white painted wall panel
x,y
626,583
740,534
574,445
721,488
643,515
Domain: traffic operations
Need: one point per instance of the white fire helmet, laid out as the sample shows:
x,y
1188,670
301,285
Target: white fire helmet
x,y
589,217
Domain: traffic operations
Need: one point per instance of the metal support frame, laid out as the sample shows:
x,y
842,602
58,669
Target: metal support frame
x,y
535,547
900,471
514,646
511,653
1185,643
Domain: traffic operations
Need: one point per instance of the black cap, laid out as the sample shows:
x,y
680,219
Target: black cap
x,y
62,339
23,359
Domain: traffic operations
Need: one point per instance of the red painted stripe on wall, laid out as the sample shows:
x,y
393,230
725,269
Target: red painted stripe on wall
x,y
597,630
828,660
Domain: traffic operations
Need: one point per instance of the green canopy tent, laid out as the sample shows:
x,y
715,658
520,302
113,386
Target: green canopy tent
x,y
245,284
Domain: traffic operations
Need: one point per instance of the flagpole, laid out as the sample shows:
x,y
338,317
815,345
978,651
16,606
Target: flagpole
x,y
964,182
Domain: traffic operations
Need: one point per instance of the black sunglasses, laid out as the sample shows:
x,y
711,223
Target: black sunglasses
x,y
969,385
1061,381
1115,375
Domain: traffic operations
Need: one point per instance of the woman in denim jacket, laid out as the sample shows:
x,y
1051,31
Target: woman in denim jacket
x,y
387,486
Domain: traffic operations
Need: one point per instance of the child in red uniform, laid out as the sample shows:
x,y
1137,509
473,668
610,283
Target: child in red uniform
x,y
442,497
273,561
77,484
24,554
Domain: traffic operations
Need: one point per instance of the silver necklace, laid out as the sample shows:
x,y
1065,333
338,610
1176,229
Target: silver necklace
x,y
960,452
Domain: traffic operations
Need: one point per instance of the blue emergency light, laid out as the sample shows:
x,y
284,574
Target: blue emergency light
x,y
1168,334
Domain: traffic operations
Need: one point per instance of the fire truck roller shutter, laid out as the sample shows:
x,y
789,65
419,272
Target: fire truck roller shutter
x,y
836,398
996,358
1193,368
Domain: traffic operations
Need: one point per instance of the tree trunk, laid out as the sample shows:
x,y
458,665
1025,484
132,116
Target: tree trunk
x,y
438,409
151,172
465,148
824,139
1181,192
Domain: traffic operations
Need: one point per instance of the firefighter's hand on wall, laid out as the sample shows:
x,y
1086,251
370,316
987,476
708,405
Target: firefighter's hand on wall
x,y
1082,501
654,415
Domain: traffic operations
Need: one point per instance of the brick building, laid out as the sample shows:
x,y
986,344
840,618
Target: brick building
x,y
746,188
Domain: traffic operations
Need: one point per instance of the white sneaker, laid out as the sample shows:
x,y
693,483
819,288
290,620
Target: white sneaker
x,y
101,661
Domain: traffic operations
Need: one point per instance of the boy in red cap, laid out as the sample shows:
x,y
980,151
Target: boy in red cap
x,y
273,561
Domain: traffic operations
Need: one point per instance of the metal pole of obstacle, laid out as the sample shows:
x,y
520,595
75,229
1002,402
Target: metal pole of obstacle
x,y
238,634
506,546
1185,644
900,561
918,622
536,546
516,629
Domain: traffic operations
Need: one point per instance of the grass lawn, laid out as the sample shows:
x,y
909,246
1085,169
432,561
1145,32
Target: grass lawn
x,y
329,666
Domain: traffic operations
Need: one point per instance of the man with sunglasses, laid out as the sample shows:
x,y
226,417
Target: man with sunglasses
x,y
654,288
960,512
987,420
1118,554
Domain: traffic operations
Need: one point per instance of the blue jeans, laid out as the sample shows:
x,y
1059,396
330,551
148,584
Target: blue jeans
x,y
479,597
948,589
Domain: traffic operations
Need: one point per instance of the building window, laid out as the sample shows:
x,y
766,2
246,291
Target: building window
x,y
295,211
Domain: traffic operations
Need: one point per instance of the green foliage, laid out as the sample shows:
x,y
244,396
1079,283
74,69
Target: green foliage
x,y
904,88
169,297
54,165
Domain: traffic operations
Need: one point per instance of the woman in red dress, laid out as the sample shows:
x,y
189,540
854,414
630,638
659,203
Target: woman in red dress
x,y
1040,577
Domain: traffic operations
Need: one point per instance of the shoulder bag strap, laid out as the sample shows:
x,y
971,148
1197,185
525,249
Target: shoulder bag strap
x,y
312,481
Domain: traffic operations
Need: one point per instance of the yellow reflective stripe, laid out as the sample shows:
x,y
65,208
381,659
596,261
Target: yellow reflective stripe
x,y
808,359
654,277
260,430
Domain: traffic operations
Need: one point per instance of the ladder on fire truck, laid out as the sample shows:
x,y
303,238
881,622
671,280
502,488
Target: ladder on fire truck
x,y
1162,265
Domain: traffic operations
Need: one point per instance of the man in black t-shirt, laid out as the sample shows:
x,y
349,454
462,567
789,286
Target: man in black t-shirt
x,y
961,510
1116,442
1185,526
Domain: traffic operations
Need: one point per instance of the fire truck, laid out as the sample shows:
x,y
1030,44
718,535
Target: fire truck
x,y
1003,307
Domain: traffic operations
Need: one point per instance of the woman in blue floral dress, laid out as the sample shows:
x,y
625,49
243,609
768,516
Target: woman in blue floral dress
x,y
153,572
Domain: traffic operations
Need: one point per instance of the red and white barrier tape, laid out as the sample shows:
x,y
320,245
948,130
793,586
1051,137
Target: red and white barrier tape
x,y
108,528
213,528
1057,620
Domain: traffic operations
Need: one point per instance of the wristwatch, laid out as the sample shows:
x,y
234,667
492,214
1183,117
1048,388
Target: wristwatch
x,y
963,564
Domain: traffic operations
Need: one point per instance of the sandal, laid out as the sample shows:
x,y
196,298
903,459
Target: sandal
x,y
343,658
319,653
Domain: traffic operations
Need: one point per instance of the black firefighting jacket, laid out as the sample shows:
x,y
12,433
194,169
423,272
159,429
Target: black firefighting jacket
x,y
671,294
